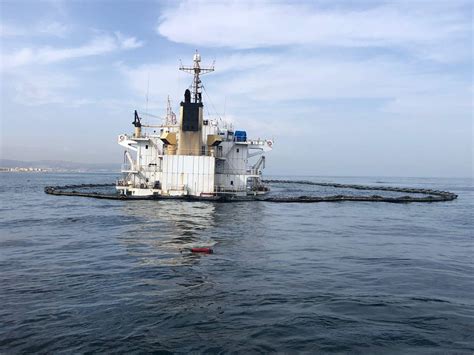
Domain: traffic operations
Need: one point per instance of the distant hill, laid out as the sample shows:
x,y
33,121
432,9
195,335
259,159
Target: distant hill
x,y
60,165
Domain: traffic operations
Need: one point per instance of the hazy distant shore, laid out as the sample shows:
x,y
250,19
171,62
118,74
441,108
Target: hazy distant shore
x,y
55,166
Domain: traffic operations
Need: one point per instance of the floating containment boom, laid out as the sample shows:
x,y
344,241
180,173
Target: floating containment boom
x,y
429,195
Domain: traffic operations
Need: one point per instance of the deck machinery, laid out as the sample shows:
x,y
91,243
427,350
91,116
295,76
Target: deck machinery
x,y
192,156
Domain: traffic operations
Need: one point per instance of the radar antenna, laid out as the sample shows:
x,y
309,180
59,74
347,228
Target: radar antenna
x,y
197,70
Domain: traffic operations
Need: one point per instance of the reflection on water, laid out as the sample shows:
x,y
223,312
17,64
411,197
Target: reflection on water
x,y
165,230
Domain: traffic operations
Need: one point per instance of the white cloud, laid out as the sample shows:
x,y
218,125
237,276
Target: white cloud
x,y
237,62
54,28
298,78
29,85
10,31
370,84
35,89
97,46
264,24
267,94
16,59
45,55
164,78
128,42
159,79
32,89
363,51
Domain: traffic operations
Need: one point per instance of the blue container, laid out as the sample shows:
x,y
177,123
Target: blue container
x,y
240,136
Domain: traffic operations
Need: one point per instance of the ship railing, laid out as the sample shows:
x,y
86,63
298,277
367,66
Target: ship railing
x,y
221,188
239,171
143,168
145,135
130,184
150,168
253,172
257,141
121,182
198,152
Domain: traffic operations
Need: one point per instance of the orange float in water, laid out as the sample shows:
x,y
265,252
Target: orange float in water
x,y
202,250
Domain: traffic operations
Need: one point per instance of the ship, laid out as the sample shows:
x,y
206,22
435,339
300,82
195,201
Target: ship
x,y
192,156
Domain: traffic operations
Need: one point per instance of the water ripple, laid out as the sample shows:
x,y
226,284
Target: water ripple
x,y
92,276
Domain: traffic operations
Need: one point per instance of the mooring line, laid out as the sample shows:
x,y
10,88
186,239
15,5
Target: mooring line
x,y
430,195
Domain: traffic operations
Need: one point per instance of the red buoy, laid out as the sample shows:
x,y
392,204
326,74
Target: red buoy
x,y
202,250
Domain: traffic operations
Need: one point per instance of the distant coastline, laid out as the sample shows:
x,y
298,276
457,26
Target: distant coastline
x,y
54,166
52,170
26,170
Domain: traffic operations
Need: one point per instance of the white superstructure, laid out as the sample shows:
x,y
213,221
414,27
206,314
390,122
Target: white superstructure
x,y
192,156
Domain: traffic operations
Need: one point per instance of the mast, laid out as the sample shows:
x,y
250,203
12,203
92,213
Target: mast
x,y
197,70
170,116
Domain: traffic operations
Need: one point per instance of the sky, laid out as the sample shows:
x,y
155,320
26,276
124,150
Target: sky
x,y
366,88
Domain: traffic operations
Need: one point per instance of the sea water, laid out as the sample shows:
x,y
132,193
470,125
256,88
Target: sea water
x,y
84,275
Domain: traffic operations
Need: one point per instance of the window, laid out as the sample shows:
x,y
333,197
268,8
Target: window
x,y
146,147
237,150
232,182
